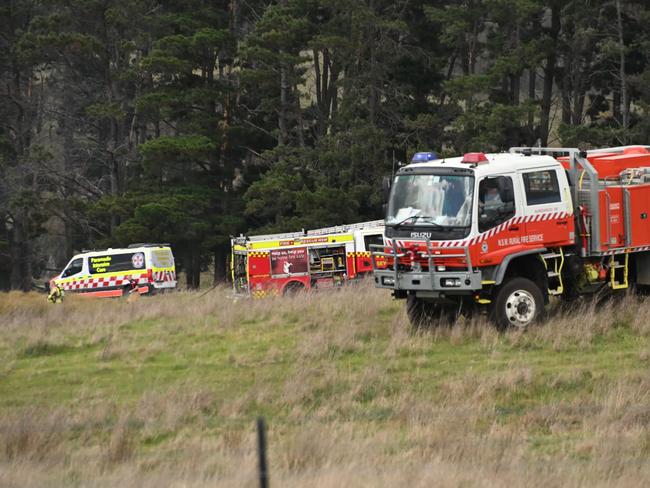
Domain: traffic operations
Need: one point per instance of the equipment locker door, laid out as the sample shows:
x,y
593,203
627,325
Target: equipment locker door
x,y
239,269
546,202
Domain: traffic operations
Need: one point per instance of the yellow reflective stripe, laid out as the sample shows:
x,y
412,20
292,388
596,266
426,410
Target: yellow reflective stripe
x,y
108,275
171,268
232,265
68,280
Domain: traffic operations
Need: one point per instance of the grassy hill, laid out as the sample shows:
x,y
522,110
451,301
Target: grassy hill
x,y
164,391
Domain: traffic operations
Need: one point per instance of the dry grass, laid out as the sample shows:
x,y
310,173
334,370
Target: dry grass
x,y
164,392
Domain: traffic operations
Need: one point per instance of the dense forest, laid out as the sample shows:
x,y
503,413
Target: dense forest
x,y
188,121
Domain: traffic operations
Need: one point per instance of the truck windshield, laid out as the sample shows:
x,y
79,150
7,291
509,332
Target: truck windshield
x,y
429,199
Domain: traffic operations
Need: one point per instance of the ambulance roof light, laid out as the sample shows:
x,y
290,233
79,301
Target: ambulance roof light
x,y
423,157
475,158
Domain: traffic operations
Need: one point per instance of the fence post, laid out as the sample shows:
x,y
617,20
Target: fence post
x,y
261,451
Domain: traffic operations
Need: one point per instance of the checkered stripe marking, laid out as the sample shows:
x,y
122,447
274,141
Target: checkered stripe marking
x,y
164,276
259,254
361,254
492,232
92,283
624,250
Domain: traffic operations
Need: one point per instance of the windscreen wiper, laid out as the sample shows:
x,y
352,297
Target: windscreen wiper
x,y
428,219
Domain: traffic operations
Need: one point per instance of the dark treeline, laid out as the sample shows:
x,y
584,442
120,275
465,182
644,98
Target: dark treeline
x,y
187,121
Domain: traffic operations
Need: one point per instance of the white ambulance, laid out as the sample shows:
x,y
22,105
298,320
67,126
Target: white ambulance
x,y
117,272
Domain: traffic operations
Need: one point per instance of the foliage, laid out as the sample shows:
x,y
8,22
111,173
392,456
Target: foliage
x,y
193,121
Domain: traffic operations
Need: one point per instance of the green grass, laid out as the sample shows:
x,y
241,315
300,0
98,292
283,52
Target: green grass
x,y
333,372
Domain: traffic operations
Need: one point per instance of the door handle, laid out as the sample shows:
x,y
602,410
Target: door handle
x,y
561,222
513,228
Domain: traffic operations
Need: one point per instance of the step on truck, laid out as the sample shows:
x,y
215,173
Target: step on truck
x,y
280,264
507,231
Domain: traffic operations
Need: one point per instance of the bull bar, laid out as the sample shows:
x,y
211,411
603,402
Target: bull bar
x,y
437,282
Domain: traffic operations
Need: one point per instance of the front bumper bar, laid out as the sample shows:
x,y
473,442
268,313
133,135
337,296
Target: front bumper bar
x,y
448,282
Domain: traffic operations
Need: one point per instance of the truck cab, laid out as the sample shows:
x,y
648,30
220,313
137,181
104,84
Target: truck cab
x,y
455,226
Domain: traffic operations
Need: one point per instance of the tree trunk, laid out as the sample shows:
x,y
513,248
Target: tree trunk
x,y
515,79
68,145
115,189
373,97
532,75
282,112
21,253
221,274
621,45
566,100
298,110
616,105
578,105
193,269
549,74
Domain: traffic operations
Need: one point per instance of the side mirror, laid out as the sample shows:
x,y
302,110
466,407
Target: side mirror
x,y
386,183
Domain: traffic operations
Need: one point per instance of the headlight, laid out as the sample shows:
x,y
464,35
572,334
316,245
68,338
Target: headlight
x,y
388,281
450,282
441,268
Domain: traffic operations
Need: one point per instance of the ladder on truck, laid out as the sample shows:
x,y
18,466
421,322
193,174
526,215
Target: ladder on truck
x,y
618,272
554,264
337,229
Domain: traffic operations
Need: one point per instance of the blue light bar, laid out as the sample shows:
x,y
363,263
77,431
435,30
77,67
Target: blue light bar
x,y
423,157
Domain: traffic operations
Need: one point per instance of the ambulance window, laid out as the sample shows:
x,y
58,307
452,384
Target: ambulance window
x,y
74,267
541,187
496,202
372,239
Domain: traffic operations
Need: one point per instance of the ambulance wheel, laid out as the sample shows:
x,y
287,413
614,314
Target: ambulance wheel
x,y
423,314
518,303
293,288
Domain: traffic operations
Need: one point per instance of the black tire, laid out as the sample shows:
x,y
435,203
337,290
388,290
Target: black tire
x,y
424,315
293,288
125,292
517,303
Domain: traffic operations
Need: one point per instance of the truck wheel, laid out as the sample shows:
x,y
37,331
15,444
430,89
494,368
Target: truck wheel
x,y
423,314
125,292
518,303
293,288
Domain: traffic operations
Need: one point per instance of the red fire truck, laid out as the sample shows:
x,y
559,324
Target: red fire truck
x,y
286,263
507,231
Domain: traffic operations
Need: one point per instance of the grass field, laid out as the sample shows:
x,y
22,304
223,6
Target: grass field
x,y
164,391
